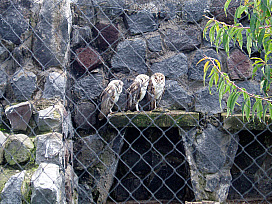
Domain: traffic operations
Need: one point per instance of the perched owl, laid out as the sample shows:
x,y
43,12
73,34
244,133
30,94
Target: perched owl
x,y
109,97
155,89
137,91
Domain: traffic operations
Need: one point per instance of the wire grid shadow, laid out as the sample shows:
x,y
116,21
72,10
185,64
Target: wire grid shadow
x,y
60,142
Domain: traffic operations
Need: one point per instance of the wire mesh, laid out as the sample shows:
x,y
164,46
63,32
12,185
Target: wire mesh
x,y
56,59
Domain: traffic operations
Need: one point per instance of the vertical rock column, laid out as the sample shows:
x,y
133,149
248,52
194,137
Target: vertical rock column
x,y
51,47
52,36
210,154
98,154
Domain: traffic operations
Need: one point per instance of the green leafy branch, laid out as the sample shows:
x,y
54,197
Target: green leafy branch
x,y
224,86
259,35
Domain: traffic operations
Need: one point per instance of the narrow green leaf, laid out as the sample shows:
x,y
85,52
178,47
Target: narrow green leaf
x,y
261,36
226,42
230,102
216,77
204,58
249,44
257,108
270,110
248,108
211,34
211,73
234,100
253,21
240,10
264,111
260,109
218,64
243,109
206,28
266,42
227,87
220,83
206,67
219,37
239,38
221,89
226,6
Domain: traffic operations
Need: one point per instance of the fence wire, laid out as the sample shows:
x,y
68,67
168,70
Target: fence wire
x,y
61,144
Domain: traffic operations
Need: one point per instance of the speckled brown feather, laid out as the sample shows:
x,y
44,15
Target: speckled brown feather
x,y
133,94
108,97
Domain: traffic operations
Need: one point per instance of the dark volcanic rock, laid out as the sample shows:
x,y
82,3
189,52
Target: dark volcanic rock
x,y
110,8
85,115
130,56
24,84
183,40
3,53
88,58
52,34
208,103
172,67
89,87
106,35
3,82
195,71
239,65
87,149
54,85
84,12
194,10
14,20
141,22
100,158
155,44
217,10
175,97
81,36
209,155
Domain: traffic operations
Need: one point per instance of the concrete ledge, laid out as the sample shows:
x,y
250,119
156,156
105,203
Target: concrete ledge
x,y
154,118
182,119
237,122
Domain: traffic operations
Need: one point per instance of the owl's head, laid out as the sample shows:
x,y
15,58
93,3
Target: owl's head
x,y
143,79
118,85
158,78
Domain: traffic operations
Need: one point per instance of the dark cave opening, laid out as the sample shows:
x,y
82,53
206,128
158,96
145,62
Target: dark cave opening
x,y
152,166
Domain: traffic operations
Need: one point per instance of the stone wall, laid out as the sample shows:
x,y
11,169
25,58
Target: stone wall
x,y
55,59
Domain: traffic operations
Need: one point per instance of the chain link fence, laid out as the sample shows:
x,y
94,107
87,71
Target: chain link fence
x,y
57,57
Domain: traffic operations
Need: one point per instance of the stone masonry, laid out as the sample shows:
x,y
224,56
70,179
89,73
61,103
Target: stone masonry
x,y
56,57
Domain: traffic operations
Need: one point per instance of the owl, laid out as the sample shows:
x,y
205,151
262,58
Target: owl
x,y
109,97
155,89
137,91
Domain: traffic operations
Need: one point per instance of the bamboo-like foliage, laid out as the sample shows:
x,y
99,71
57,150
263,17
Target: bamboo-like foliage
x,y
258,35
